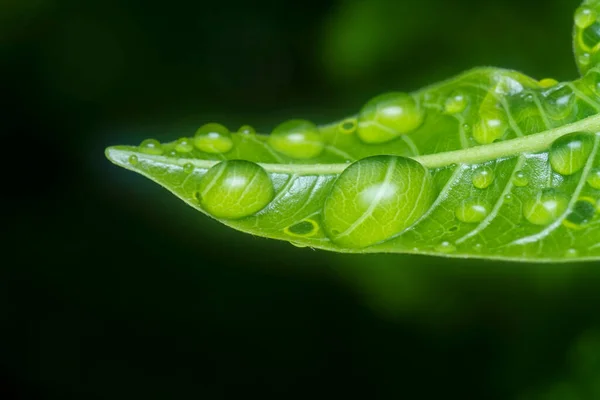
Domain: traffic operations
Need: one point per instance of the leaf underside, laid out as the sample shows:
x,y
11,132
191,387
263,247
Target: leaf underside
x,y
489,164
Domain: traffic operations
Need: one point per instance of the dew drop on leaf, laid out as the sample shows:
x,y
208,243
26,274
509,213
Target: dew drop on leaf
x,y
213,138
246,130
297,138
569,153
583,212
455,103
471,211
188,168
585,17
488,130
376,198
235,189
304,228
584,59
347,126
545,207
133,159
184,145
520,179
151,146
388,116
445,247
593,178
508,198
483,177
559,102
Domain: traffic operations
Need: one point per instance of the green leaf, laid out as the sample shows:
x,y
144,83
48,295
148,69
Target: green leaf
x,y
490,164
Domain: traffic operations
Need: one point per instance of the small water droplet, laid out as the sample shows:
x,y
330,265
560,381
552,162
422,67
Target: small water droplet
x,y
213,138
483,177
388,116
508,198
235,189
305,228
520,179
584,58
583,212
246,130
478,247
456,103
548,82
528,97
585,17
471,211
560,103
466,128
297,138
545,207
151,146
445,247
569,153
571,253
347,126
184,145
188,168
133,159
593,178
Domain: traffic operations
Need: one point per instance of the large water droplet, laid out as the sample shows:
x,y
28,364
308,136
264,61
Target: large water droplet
x,y
376,198
213,138
593,178
235,189
297,138
471,211
487,130
151,146
520,179
184,145
583,212
569,153
545,207
483,177
456,103
571,253
560,102
585,17
388,116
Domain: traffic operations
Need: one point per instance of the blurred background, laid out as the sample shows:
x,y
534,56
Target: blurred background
x,y
112,288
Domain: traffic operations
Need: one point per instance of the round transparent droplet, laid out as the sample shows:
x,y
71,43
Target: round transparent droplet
x,y
584,58
478,247
188,168
235,189
593,178
184,145
445,247
213,138
571,253
471,211
246,130
545,207
508,198
455,104
133,159
388,116
297,138
582,213
305,228
520,179
569,153
488,130
151,146
483,177
585,17
376,198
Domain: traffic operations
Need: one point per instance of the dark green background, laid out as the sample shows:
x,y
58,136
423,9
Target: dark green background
x,y
111,288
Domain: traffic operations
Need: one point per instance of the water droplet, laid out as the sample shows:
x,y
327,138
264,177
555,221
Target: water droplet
x,y
466,128
347,126
151,146
571,253
188,168
133,159
235,189
528,97
508,198
547,83
184,145
560,103
593,178
584,58
455,103
246,130
483,177
583,212
569,153
488,130
445,247
545,207
478,247
376,198
305,228
388,116
585,17
520,179
471,211
172,153
297,138
213,138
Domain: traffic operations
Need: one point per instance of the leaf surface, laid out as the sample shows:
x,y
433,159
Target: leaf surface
x,y
489,164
